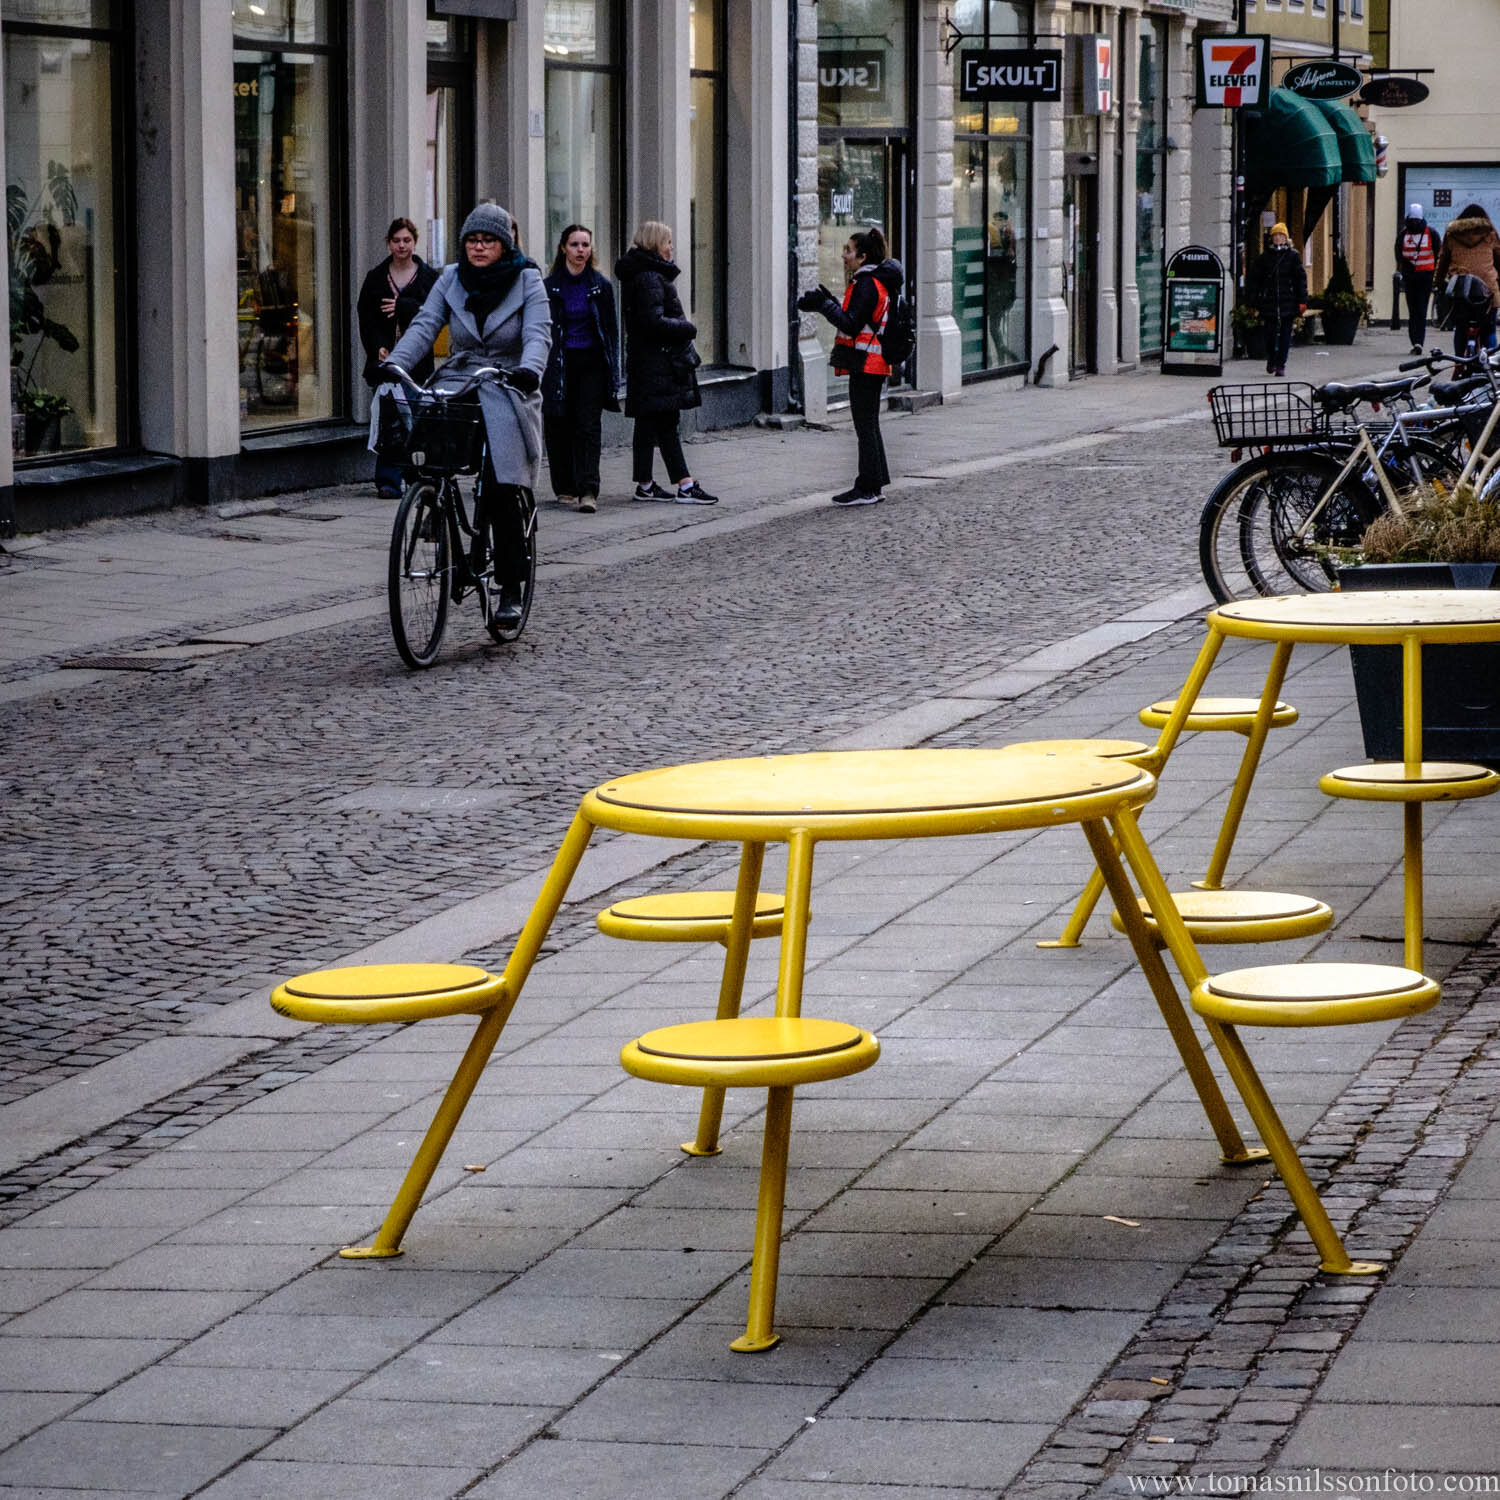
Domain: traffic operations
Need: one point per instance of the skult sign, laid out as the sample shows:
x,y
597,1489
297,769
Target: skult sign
x,y
1030,76
1232,72
852,77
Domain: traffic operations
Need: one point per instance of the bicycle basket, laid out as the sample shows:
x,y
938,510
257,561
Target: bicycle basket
x,y
447,436
1260,415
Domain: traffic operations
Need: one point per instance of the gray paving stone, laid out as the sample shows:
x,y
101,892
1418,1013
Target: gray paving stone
x,y
697,1349
1051,1235
1432,1314
1082,1335
167,1394
604,1471
1389,1434
399,1433
34,1245
845,1450
629,1409
977,1390
794,1489
1216,1198
308,1341
1065,1281
829,1301
520,1317
73,1364
982,1171
300,1480
922,1211
897,1253
24,1411
129,1313
91,1455
20,1291
376,1288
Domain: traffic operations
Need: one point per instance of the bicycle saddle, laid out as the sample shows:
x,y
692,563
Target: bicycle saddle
x,y
1451,392
1337,397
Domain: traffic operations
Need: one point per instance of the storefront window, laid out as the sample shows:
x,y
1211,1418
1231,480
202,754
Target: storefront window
x,y
63,227
1150,177
289,309
991,189
706,145
581,51
449,176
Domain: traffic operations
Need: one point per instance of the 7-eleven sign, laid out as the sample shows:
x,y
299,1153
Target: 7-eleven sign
x,y
1232,71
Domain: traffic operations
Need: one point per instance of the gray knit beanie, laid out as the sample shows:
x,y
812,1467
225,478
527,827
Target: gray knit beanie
x,y
490,218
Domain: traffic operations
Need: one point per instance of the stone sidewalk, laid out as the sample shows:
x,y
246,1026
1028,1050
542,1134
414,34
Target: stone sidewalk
x,y
1014,1263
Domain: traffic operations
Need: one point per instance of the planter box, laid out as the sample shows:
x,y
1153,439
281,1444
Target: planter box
x,y
1339,327
1460,684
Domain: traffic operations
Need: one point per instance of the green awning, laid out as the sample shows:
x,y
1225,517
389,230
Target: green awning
x,y
1356,144
1291,143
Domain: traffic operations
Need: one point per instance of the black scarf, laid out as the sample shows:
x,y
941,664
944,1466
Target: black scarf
x,y
488,285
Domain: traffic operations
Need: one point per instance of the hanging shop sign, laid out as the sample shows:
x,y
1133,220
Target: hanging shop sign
x,y
851,77
1234,72
1392,92
1098,73
1194,313
1015,76
1323,80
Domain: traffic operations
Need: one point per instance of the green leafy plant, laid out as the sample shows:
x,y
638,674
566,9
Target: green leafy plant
x,y
36,402
1245,319
1339,296
33,227
1436,525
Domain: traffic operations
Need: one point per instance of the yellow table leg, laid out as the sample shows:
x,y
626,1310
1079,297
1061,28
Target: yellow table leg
x,y
1073,930
477,1054
1333,1256
1411,754
766,1258
1213,880
1231,1144
731,988
799,863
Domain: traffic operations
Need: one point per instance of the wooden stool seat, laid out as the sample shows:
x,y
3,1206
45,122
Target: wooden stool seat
x,y
1105,749
687,917
776,1053
1391,781
369,993
1237,714
1242,916
1314,994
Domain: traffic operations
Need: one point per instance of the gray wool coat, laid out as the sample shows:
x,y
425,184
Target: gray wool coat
x,y
517,335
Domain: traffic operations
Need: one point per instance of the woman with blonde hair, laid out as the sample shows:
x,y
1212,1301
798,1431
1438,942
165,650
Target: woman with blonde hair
x,y
661,364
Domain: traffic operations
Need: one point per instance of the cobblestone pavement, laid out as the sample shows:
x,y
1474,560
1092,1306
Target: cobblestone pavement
x,y
213,826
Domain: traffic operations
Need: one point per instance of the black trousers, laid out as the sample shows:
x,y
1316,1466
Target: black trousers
x,y
506,509
864,408
1418,288
1279,336
657,429
572,435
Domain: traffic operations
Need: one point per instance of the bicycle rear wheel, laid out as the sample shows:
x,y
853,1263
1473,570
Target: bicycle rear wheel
x,y
418,577
525,568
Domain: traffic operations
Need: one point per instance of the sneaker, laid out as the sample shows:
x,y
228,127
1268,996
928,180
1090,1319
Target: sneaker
x,y
588,504
1417,349
857,496
651,491
1281,369
505,606
694,494
566,501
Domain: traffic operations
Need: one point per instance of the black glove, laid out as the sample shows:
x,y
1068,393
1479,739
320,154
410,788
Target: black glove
x,y
812,301
525,381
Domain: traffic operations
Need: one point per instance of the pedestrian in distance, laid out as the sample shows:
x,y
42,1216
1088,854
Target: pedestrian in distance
x,y
391,296
1279,293
1471,248
661,365
872,284
1417,248
494,305
583,370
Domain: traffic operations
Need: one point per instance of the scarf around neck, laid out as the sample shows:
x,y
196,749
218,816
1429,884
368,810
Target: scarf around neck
x,y
488,285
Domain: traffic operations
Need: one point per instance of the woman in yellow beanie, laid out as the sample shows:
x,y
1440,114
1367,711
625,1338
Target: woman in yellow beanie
x,y
1278,290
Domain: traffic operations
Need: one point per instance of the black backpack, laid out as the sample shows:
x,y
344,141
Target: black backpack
x,y
899,338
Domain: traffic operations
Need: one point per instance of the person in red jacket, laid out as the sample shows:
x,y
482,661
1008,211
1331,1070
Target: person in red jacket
x,y
1417,249
874,282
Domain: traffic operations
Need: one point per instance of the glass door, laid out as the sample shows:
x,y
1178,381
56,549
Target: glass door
x,y
449,187
1081,227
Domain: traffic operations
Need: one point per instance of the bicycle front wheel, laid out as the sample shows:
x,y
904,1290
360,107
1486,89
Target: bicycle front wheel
x,y
417,582
525,566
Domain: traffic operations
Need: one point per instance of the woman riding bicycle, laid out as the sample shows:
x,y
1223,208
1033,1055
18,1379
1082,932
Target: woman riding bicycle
x,y
495,307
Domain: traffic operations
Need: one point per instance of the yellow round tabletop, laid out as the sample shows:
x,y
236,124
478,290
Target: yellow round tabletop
x,y
857,794
1380,617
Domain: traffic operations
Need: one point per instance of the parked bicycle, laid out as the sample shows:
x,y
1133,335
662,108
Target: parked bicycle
x,y
1316,479
440,551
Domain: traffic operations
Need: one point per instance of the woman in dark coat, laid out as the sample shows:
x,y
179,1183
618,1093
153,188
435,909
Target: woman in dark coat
x,y
392,295
1472,248
583,370
494,306
660,378
1280,293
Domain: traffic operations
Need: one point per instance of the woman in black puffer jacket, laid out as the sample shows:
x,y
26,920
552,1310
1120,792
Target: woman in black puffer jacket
x,y
660,364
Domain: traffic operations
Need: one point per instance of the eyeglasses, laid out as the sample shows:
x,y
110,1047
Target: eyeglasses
x,y
483,239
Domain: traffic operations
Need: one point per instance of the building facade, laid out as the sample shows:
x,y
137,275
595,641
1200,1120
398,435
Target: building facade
x,y
197,187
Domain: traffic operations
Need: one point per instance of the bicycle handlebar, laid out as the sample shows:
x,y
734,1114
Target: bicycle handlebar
x,y
478,378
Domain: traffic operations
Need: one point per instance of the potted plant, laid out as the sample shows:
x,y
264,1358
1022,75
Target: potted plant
x,y
1302,330
1249,325
1441,540
1344,309
43,412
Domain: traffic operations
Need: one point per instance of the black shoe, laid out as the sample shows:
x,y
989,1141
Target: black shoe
x,y
387,492
694,494
1417,349
652,491
588,504
857,496
505,606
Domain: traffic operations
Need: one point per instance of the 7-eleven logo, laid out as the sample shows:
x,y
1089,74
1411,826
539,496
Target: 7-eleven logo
x,y
1232,70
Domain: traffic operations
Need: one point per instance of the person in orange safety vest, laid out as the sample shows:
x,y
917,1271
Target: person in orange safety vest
x,y
1417,249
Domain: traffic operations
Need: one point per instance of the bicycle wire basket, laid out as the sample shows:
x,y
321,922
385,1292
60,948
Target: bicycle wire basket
x,y
437,434
1262,415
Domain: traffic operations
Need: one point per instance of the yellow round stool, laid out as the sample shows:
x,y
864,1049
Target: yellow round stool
x,y
776,1053
1208,714
1390,781
687,917
1241,916
1305,994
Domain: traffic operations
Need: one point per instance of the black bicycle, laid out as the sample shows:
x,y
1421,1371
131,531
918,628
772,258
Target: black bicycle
x,y
440,551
